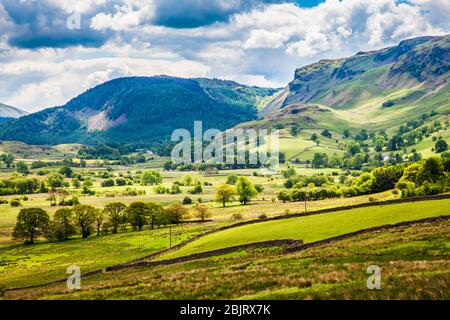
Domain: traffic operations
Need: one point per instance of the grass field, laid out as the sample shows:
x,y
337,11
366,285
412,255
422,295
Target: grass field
x,y
414,264
27,265
316,227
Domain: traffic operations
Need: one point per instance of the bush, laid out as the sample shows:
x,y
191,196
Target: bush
x,y
298,195
262,216
108,183
121,182
197,190
4,201
187,201
15,203
69,202
232,180
159,189
284,195
175,189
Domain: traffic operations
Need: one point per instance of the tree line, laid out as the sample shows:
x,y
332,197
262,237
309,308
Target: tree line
x,y
426,177
86,220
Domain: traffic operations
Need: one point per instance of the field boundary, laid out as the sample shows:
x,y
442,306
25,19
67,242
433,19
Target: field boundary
x,y
294,215
289,246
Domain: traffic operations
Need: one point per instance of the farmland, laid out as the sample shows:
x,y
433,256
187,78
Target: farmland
x,y
409,257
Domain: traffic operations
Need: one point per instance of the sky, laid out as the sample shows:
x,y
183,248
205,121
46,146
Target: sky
x,y
53,50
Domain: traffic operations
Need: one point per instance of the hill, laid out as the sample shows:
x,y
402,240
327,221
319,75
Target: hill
x,y
371,89
377,90
7,113
139,110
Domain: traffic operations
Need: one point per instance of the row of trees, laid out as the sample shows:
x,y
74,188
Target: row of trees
x,y
426,177
86,220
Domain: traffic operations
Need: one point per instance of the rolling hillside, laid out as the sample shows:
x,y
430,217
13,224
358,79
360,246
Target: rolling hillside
x,y
139,110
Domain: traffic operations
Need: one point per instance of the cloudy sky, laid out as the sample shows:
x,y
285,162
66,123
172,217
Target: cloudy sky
x,y
53,50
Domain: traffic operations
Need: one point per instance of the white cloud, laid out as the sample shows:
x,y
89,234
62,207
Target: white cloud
x,y
132,14
264,39
262,46
45,94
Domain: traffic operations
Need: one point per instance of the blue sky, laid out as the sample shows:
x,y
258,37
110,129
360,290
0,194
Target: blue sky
x,y
44,63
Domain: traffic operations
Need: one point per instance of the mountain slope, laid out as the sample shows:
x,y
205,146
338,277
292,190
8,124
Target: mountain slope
x,y
373,90
8,113
139,110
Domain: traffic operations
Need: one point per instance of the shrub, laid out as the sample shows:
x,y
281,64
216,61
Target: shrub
x,y
159,189
231,180
187,201
197,190
284,195
108,183
121,182
15,203
175,189
262,216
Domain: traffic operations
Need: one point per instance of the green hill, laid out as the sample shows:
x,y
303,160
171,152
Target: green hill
x,y
372,90
378,90
139,110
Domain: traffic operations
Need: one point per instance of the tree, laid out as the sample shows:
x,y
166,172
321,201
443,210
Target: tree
x,y
326,133
63,227
116,213
66,171
85,218
99,218
319,160
76,183
151,178
7,159
187,180
346,133
246,190
22,168
441,146
432,171
137,214
155,212
202,212
87,184
30,224
55,180
314,137
295,130
225,193
176,213
284,195
232,179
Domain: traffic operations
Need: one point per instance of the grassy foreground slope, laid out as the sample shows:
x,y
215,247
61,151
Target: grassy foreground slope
x,y
30,265
414,262
316,227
